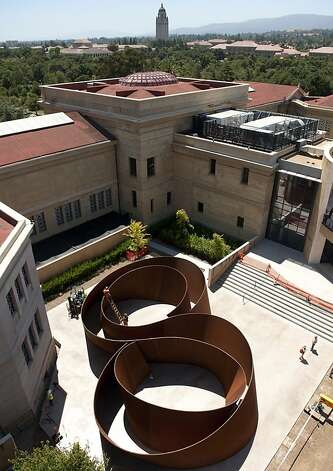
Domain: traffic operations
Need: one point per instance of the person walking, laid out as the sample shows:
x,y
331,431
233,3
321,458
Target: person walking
x,y
302,352
50,397
314,343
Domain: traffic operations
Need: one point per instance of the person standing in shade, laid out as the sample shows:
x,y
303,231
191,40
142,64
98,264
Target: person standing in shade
x,y
50,397
302,352
314,343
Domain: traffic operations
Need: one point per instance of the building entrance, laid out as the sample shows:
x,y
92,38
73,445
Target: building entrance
x,y
327,256
292,203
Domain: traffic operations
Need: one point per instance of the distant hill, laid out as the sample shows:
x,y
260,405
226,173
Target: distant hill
x,y
263,25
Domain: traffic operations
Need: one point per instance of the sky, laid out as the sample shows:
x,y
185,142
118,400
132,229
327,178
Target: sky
x,y
46,19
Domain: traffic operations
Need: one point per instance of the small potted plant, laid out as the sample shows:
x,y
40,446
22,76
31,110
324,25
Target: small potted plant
x,y
139,240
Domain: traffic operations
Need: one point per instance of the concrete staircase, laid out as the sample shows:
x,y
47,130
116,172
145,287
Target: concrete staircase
x,y
258,287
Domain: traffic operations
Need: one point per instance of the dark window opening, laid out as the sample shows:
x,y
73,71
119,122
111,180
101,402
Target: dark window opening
x,y
169,198
151,206
134,200
19,289
132,164
25,273
38,323
240,222
212,170
245,176
32,337
151,167
26,353
200,207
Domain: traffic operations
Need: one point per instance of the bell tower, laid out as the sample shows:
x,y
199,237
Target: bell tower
x,y
162,25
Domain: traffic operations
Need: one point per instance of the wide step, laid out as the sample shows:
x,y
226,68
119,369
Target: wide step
x,y
257,287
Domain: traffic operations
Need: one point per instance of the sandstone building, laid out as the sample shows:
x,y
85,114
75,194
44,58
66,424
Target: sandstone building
x,y
150,143
27,352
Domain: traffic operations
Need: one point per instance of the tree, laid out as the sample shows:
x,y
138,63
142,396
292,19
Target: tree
x,y
49,458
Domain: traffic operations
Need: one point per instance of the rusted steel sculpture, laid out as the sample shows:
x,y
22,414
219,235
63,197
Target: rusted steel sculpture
x,y
171,438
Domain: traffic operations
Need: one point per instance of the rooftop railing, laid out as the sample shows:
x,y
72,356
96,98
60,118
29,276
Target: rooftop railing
x,y
258,139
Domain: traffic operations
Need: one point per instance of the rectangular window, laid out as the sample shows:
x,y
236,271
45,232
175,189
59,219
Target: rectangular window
x,y
132,164
212,169
245,176
151,206
169,198
26,352
19,289
38,323
134,199
32,337
41,223
108,197
101,201
240,222
93,203
200,207
59,216
26,276
151,167
11,302
77,209
68,212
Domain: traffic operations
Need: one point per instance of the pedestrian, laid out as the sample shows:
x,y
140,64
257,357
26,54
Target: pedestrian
x,y
50,397
302,352
314,343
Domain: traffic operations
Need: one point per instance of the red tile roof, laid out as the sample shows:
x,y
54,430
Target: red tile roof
x,y
325,102
269,93
6,226
32,144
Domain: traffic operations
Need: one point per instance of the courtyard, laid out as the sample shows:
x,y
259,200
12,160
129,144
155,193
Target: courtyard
x,y
284,384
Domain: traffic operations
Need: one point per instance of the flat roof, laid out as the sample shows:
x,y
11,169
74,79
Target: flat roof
x,y
42,142
113,87
7,224
306,160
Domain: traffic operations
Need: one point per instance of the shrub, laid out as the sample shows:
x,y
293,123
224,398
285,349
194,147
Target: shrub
x,y
82,271
137,233
48,457
195,239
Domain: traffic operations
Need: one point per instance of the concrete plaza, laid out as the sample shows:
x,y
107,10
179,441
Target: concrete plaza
x,y
284,384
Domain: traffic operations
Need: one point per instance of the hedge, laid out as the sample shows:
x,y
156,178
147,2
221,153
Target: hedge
x,y
201,242
82,271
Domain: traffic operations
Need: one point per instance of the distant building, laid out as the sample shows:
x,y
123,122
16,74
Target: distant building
x,y
27,350
84,47
202,43
242,47
77,43
268,50
322,52
162,25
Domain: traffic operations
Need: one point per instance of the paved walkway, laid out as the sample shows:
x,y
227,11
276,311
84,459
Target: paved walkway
x,y
284,384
